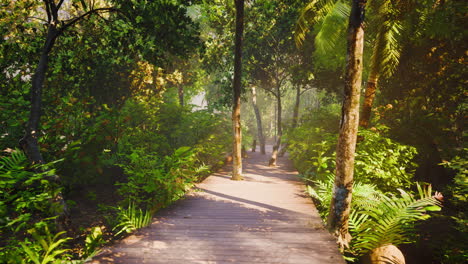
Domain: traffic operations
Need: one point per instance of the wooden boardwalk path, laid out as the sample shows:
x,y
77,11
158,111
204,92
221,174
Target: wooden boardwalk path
x,y
266,218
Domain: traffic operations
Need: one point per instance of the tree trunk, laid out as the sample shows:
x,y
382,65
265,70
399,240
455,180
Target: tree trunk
x,y
181,94
341,201
261,138
274,154
368,100
236,125
29,143
296,107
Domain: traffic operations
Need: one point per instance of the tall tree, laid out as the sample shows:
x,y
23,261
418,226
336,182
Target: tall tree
x,y
55,27
269,53
342,192
236,121
330,16
258,117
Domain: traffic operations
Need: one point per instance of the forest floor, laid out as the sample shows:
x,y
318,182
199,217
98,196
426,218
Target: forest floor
x,y
266,218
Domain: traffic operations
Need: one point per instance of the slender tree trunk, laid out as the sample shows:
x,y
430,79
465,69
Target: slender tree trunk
x,y
296,107
29,143
342,192
181,94
274,154
261,137
368,100
236,125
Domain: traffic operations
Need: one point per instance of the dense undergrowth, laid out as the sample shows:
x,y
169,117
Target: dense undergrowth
x,y
388,203
151,153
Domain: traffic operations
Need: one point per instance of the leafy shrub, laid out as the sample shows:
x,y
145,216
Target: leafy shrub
x,y
384,162
25,195
312,143
453,248
379,160
154,182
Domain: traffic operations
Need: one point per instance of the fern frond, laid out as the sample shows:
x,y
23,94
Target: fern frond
x,y
132,219
391,220
15,162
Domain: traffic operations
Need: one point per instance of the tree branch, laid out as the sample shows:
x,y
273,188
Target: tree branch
x,y
78,18
49,15
305,90
59,4
53,10
270,91
38,18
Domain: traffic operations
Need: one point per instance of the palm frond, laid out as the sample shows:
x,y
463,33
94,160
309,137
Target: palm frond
x,y
333,27
387,48
310,15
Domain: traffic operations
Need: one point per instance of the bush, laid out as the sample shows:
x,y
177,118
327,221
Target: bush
x,y
155,182
379,160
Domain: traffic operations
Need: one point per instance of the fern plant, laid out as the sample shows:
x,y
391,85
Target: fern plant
x,y
390,221
50,250
131,219
364,195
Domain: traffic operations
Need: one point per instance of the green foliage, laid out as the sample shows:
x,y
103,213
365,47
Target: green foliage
x,y
384,162
364,195
92,243
377,219
131,219
379,160
155,182
24,194
46,248
311,144
391,220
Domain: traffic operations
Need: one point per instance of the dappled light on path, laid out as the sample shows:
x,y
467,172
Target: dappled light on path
x,y
266,218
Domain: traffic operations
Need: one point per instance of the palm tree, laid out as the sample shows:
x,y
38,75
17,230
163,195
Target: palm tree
x,y
385,54
332,14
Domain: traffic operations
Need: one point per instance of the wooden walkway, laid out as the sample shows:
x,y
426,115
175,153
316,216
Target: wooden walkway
x,y
266,218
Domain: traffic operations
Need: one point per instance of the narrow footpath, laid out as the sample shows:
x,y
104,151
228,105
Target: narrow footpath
x,y
267,218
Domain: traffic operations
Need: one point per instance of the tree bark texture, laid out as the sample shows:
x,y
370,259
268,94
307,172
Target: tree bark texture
x,y
236,121
342,192
369,96
261,138
274,154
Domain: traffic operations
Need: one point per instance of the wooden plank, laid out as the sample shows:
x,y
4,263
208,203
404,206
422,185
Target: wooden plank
x,y
266,218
